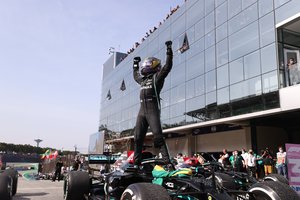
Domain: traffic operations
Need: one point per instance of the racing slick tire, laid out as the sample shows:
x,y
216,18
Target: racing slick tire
x,y
5,187
14,175
276,177
76,185
145,191
271,190
226,181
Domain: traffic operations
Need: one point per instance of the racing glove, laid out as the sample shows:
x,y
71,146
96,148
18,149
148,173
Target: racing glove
x,y
136,61
169,47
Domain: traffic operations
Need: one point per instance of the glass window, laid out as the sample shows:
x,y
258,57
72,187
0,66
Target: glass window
x,y
223,96
176,121
195,48
178,75
222,52
165,113
179,58
268,58
191,35
210,81
211,98
253,87
199,30
167,84
237,91
219,2
267,29
270,82
210,39
195,13
246,3
195,103
236,71
177,109
210,61
177,94
153,46
265,7
243,19
221,32
178,27
209,22
209,6
222,76
190,89
195,66
165,98
199,85
279,3
221,14
252,65
234,7
244,41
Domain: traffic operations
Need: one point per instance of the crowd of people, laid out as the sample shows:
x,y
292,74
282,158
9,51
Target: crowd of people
x,y
256,165
148,33
61,168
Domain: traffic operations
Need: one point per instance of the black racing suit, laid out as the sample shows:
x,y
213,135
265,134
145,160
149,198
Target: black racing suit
x,y
149,113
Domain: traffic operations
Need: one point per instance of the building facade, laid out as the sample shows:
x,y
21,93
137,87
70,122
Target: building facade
x,y
231,85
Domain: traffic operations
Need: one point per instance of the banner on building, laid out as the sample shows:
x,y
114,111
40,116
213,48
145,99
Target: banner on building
x,y
293,158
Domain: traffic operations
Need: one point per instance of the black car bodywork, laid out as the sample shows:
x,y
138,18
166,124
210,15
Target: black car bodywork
x,y
205,182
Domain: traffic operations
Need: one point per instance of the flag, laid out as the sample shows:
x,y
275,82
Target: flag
x,y
44,155
50,154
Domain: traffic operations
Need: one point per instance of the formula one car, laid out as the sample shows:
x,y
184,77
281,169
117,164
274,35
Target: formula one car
x,y
153,181
8,184
229,178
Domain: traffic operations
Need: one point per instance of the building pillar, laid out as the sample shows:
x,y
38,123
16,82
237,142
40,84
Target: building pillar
x,y
253,132
192,142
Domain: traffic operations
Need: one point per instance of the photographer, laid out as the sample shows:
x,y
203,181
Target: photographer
x,y
268,162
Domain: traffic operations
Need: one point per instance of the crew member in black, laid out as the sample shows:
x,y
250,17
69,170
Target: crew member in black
x,y
151,79
58,167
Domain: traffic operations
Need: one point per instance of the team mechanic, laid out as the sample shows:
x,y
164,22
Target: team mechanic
x,y
151,79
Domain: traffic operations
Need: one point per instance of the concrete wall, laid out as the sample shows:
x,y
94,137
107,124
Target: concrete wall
x,y
182,145
230,140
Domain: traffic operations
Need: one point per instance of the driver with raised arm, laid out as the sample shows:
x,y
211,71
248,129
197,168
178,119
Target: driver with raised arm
x,y
151,79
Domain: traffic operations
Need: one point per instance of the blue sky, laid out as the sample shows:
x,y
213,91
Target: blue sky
x,y
51,56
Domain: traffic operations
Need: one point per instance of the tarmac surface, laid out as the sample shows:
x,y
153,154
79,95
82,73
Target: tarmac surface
x,y
39,190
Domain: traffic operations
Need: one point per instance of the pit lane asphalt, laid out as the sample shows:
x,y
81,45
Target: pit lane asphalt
x,y
39,190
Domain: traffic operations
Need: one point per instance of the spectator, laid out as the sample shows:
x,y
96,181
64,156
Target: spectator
x,y
76,165
200,159
260,172
281,162
220,160
236,161
58,166
179,159
251,163
226,158
268,162
293,72
245,156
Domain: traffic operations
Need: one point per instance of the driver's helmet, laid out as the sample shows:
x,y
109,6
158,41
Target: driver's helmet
x,y
150,65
